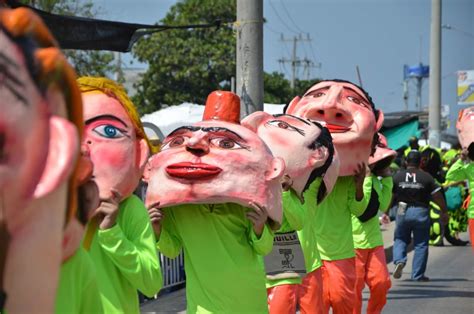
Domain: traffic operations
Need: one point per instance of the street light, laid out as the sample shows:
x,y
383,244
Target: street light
x,y
448,26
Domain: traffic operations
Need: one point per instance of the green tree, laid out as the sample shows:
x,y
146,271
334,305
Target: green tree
x,y
95,63
186,65
277,88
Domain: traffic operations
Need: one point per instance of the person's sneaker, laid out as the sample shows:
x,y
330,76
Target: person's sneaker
x,y
423,279
397,273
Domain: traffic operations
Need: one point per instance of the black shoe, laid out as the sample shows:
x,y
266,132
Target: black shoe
x,y
397,273
423,279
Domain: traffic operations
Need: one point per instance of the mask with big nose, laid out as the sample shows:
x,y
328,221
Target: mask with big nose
x,y
349,115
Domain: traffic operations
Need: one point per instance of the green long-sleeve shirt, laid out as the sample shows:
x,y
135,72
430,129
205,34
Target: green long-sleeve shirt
x,y
294,216
464,171
77,290
125,259
367,235
221,252
307,234
301,217
333,223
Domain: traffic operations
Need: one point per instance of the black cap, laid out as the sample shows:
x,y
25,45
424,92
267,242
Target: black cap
x,y
414,157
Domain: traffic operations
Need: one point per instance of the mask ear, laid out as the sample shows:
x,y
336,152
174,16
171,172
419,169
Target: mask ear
x,y
277,169
147,170
319,157
62,154
380,119
252,121
292,105
143,152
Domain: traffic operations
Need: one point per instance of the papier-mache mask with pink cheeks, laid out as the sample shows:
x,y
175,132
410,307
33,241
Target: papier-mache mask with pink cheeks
x,y
349,114
114,137
40,123
305,146
383,155
216,161
465,127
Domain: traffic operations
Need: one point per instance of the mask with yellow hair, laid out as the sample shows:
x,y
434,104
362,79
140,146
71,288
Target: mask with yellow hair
x,y
114,137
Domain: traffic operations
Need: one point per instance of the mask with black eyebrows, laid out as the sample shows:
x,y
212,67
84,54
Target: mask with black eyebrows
x,y
349,114
305,146
465,127
215,161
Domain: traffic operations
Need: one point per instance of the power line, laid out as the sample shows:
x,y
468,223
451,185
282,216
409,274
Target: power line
x,y
280,18
271,29
291,19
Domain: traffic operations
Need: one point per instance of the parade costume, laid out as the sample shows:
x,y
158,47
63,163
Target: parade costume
x,y
371,264
78,291
119,237
465,171
125,260
41,124
349,114
210,179
460,171
312,172
221,253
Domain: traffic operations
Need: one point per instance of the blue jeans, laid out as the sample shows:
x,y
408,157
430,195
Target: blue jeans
x,y
416,220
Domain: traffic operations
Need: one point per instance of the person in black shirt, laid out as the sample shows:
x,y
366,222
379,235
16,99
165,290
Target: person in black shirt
x,y
413,189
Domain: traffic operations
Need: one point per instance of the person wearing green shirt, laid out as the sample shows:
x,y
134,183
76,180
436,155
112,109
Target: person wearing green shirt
x,y
221,252
119,236
463,169
371,264
311,168
214,190
350,115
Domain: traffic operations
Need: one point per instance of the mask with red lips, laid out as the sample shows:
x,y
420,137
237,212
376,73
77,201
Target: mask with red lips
x,y
465,127
348,112
215,161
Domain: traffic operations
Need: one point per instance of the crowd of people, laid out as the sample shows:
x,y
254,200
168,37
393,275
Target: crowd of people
x,y
274,213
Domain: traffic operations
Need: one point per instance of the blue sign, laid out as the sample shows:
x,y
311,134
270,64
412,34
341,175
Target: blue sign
x,y
416,71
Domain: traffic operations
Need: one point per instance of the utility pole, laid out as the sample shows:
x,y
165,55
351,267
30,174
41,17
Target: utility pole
x,y
295,61
249,70
434,121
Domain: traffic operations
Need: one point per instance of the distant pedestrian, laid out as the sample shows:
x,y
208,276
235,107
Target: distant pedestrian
x,y
413,189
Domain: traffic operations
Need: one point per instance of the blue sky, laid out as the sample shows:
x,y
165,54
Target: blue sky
x,y
379,36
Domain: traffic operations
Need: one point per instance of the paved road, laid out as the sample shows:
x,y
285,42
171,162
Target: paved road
x,y
450,291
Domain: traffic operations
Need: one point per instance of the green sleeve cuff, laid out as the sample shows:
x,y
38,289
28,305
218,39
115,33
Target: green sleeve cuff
x,y
264,244
110,237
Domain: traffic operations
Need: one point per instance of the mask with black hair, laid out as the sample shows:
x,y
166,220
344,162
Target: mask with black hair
x,y
305,146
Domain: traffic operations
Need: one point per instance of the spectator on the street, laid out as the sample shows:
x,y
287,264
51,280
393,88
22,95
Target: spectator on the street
x,y
413,189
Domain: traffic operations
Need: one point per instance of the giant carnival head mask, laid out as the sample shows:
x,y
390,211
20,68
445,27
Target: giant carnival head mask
x,y
114,136
305,146
383,155
349,114
39,144
465,128
216,161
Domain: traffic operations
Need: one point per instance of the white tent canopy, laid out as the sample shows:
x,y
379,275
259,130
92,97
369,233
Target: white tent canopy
x,y
170,118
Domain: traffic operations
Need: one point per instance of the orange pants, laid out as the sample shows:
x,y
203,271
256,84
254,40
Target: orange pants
x,y
471,232
371,268
339,279
284,298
